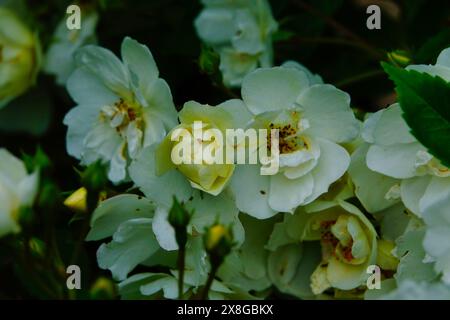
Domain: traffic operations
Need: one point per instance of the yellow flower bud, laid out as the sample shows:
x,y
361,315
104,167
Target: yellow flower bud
x,y
77,201
215,234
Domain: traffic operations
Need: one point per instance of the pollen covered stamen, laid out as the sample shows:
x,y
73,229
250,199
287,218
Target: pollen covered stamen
x,y
120,115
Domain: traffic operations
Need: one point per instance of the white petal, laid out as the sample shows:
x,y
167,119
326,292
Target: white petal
x,y
111,213
313,78
444,58
435,204
154,129
132,244
370,187
369,125
134,139
105,65
391,128
139,61
333,162
7,223
216,25
160,189
397,161
251,191
247,37
273,89
117,168
27,189
412,190
329,114
235,65
11,168
160,103
79,121
287,194
164,232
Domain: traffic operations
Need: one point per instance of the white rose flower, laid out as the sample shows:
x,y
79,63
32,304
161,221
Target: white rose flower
x,y
399,167
18,190
240,31
395,153
123,106
312,121
59,59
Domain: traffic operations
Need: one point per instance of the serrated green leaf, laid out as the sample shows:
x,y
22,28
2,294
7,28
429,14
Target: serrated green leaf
x,y
425,101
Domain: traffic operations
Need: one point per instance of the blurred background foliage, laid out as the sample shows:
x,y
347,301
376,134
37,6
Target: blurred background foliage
x,y
329,37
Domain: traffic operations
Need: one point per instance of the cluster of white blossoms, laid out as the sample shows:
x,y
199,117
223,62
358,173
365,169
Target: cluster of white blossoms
x,y
348,195
241,32
400,169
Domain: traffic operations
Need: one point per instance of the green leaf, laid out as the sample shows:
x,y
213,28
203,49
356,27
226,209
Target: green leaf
x,y
425,101
430,50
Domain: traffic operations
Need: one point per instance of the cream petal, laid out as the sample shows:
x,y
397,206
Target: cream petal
x,y
270,89
397,161
251,191
329,114
332,164
287,194
412,190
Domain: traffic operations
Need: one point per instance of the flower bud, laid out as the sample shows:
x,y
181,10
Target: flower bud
x,y
218,241
179,219
400,58
77,201
103,288
19,56
94,178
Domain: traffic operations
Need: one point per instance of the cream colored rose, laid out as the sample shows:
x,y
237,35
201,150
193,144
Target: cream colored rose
x,y
19,56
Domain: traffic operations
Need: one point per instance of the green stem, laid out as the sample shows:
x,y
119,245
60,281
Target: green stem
x,y
29,266
209,282
181,264
359,77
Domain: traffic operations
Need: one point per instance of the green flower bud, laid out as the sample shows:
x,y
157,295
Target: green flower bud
x,y
400,58
94,178
103,289
37,247
209,61
179,219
